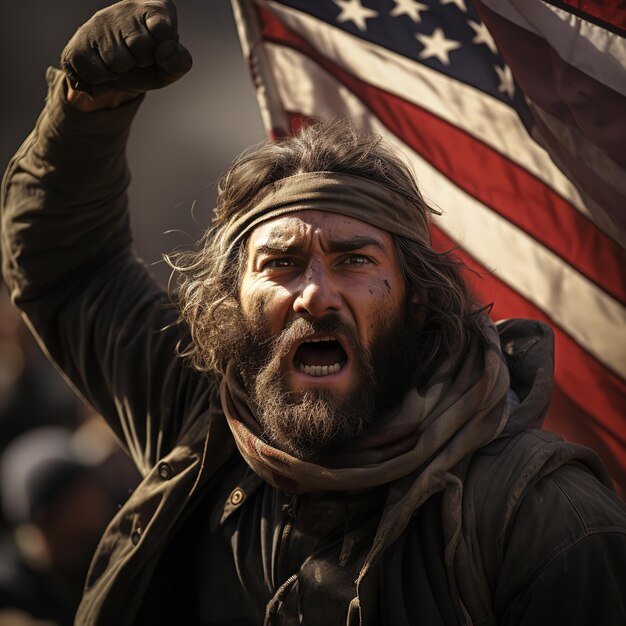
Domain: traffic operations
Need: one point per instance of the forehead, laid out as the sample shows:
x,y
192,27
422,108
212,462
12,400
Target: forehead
x,y
297,228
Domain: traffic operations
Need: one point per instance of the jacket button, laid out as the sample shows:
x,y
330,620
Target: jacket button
x,y
237,496
165,471
136,536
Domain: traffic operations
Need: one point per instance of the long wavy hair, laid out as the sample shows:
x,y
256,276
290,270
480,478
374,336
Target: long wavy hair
x,y
208,276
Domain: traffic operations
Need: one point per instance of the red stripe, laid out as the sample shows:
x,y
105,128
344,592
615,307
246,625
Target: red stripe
x,y
596,390
610,12
508,189
559,88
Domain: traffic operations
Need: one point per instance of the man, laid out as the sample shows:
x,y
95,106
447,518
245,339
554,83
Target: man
x,y
352,444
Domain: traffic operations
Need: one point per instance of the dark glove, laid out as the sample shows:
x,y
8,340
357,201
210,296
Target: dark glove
x,y
130,46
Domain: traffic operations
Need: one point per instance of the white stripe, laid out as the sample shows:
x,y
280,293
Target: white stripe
x,y
251,41
576,304
486,118
595,51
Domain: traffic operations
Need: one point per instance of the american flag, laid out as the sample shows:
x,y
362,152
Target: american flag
x,y
525,158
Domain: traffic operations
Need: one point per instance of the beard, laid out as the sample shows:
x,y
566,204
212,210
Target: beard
x,y
310,423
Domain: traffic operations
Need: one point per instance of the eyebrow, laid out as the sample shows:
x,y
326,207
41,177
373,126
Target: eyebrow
x,y
354,243
334,245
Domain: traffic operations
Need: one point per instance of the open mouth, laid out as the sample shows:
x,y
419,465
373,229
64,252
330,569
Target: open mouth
x,y
320,356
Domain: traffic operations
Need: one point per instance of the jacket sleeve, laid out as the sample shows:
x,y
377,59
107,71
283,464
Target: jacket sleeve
x,y
69,264
565,560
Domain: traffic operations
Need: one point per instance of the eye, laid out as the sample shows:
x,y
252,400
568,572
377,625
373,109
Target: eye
x,y
356,259
278,263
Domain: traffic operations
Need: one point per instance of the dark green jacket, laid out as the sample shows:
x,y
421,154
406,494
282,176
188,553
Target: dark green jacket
x,y
524,531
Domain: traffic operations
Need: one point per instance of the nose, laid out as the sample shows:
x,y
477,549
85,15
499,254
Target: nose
x,y
318,294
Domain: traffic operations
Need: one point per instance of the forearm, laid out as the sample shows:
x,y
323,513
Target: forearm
x,y
67,260
66,239
64,194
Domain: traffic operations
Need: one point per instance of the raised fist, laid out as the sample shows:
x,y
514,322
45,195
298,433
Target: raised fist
x,y
131,47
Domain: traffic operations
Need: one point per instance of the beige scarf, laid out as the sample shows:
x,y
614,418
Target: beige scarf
x,y
461,408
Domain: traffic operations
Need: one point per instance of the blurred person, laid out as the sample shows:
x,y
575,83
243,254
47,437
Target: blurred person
x,y
348,439
57,503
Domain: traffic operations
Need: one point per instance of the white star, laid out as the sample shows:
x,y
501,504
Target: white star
x,y
411,8
483,36
505,76
459,3
354,11
436,45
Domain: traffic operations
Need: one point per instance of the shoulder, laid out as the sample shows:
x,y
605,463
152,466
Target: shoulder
x,y
563,509
564,558
549,526
505,472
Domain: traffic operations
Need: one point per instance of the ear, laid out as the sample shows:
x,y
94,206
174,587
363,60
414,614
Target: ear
x,y
418,296
418,304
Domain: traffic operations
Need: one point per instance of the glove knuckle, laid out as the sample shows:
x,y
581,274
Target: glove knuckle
x,y
138,41
157,10
99,23
160,20
132,36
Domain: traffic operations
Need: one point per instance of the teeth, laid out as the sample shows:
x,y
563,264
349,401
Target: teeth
x,y
319,370
320,339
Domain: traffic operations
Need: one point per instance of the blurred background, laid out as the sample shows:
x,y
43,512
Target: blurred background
x,y
183,139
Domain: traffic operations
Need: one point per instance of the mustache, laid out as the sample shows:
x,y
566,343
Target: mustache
x,y
303,327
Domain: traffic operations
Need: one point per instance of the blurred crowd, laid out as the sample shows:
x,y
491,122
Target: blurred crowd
x,y
62,478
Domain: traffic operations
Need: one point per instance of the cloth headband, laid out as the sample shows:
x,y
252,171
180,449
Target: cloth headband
x,y
345,194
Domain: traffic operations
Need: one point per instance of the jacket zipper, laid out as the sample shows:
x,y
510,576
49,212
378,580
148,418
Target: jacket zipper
x,y
290,509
